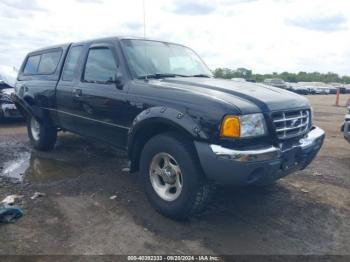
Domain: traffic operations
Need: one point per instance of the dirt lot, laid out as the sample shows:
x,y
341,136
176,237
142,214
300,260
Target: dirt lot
x,y
305,213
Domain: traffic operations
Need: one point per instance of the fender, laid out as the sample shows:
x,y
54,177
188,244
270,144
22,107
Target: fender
x,y
166,115
25,108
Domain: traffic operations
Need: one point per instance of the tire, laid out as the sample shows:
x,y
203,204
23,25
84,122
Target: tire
x,y
42,137
194,191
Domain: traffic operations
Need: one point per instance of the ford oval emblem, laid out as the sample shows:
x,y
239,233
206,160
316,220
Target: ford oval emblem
x,y
295,122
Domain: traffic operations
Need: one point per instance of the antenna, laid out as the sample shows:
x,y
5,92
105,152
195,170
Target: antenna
x,y
144,18
144,29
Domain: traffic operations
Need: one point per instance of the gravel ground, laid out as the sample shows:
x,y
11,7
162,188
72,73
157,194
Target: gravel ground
x,y
305,213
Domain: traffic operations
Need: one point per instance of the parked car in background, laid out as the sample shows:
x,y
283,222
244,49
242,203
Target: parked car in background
x,y
289,86
300,89
321,90
342,88
7,107
346,125
316,88
309,89
237,79
332,90
275,82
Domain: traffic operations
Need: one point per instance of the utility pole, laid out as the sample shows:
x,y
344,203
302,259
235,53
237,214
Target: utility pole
x,y
144,18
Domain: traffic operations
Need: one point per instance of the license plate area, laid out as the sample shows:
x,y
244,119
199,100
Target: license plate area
x,y
290,158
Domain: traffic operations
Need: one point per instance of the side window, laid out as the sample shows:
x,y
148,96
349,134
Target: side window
x,y
49,62
100,66
71,63
31,65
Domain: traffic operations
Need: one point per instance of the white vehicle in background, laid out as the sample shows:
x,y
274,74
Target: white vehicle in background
x,y
276,82
289,86
7,82
322,90
237,79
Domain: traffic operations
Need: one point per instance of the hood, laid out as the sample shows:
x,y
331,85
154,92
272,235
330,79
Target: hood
x,y
4,85
7,91
266,98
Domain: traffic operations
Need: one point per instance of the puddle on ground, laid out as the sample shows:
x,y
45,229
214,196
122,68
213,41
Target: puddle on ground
x,y
15,169
30,168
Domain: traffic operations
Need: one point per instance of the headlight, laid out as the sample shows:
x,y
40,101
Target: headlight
x,y
243,126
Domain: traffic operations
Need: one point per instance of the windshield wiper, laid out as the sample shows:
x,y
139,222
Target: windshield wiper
x,y
201,75
159,75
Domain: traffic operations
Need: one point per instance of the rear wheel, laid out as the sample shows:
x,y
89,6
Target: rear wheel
x,y
171,176
42,136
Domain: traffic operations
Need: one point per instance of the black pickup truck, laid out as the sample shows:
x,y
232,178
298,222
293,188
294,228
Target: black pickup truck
x,y
183,130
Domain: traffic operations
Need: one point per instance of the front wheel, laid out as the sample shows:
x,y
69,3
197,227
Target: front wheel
x,y
42,136
172,177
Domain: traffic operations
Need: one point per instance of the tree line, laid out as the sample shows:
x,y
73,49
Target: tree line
x,y
247,74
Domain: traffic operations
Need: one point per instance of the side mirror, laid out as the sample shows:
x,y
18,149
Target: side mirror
x,y
119,83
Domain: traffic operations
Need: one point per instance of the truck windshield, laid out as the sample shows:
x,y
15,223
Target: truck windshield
x,y
159,59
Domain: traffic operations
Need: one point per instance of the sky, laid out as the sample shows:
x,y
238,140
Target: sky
x,y
262,35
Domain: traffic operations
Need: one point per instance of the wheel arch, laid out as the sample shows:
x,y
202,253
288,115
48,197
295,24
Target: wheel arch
x,y
24,104
27,106
157,120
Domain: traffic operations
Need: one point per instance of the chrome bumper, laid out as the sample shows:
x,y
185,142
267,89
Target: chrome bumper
x,y
269,153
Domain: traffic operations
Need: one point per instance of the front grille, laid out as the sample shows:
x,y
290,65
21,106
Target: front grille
x,y
290,124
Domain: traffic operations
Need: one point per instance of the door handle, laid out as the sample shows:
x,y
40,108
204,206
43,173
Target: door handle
x,y
77,92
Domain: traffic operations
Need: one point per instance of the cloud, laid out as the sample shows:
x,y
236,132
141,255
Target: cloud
x,y
27,5
90,1
133,26
234,2
328,23
192,7
18,9
262,35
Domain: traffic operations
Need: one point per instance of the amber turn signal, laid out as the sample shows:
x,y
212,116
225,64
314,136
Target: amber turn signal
x,y
230,127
